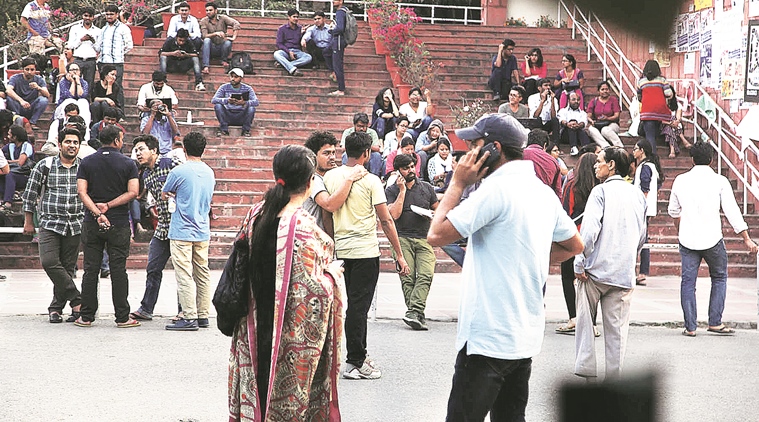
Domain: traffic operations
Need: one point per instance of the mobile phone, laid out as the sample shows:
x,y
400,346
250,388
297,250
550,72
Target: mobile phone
x,y
492,158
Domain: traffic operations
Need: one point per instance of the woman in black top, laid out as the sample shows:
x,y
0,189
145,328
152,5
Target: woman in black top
x,y
104,94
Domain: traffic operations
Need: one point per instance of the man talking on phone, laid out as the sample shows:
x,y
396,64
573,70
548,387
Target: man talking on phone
x,y
516,228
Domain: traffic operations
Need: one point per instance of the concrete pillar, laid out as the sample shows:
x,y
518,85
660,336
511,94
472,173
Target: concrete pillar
x,y
494,12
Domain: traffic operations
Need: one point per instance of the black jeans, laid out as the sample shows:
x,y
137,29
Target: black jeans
x,y
320,55
500,82
58,257
553,128
360,282
116,241
575,137
482,384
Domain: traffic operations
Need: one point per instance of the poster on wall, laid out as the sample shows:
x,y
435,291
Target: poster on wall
x,y
682,33
673,35
705,65
752,63
694,31
703,4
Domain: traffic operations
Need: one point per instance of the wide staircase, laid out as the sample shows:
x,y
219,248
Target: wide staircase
x,y
291,108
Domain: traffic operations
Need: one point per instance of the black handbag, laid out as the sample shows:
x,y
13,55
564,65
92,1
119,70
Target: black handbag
x,y
570,86
233,292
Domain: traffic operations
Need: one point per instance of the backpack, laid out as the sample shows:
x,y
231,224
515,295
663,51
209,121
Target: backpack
x,y
242,61
351,27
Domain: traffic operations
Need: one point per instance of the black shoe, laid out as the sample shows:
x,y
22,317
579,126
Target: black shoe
x,y
105,273
496,97
245,134
203,323
73,317
183,325
220,132
55,318
297,73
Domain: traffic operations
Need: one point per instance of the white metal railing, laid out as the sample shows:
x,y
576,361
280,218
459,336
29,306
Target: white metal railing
x,y
434,17
617,68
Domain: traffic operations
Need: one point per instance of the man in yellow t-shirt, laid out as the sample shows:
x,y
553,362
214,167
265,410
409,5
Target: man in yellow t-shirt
x,y
355,228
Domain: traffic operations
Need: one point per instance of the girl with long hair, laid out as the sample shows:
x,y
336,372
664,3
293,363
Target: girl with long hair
x,y
284,360
569,76
649,176
653,92
533,70
384,112
574,196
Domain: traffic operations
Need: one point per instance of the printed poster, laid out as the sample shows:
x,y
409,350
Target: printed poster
x,y
705,65
752,63
673,35
694,31
682,34
703,4
733,74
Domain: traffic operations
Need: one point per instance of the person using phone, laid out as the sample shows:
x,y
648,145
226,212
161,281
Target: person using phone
x,y
160,122
178,55
512,242
544,105
235,104
82,39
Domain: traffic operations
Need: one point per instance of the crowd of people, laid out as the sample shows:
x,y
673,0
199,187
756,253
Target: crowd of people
x,y
314,233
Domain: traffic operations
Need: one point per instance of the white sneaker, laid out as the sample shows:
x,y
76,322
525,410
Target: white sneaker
x,y
574,151
200,87
365,372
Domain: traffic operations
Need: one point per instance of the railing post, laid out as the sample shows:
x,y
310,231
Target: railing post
x,y
719,146
745,187
262,8
5,63
227,7
558,14
574,20
432,15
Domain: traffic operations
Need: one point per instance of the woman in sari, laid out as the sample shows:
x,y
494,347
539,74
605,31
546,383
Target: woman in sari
x,y
284,361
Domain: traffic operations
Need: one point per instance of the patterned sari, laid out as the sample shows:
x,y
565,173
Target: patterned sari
x,y
305,360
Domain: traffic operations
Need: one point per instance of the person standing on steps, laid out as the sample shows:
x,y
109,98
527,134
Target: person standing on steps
x,y
649,177
505,70
53,183
82,39
338,47
114,43
288,53
412,228
695,201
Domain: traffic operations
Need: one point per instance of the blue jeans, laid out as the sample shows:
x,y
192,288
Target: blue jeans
x,y
456,253
483,384
424,126
283,58
159,253
645,254
33,113
10,183
716,259
174,65
215,50
651,128
235,117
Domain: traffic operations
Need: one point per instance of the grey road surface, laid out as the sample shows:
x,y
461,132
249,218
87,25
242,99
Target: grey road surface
x,y
65,373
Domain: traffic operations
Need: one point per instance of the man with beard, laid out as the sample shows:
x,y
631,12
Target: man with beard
x,y
406,192
53,183
161,124
216,42
27,93
159,252
573,121
82,39
235,104
323,145
114,43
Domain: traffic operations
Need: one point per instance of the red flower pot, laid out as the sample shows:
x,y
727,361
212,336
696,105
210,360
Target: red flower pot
x,y
138,34
403,90
53,60
198,9
390,62
11,72
379,47
166,17
395,76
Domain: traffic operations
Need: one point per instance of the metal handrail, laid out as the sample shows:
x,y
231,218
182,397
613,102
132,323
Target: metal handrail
x,y
262,11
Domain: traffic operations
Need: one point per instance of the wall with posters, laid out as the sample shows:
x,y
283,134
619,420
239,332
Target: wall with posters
x,y
713,41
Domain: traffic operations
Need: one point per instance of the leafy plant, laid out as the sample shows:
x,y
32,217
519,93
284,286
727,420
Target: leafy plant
x,y
416,64
14,33
515,22
468,112
545,21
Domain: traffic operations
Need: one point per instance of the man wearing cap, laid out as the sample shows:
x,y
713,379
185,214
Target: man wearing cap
x,y
512,241
235,104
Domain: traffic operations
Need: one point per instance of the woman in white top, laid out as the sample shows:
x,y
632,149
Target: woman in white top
x,y
393,139
648,177
440,163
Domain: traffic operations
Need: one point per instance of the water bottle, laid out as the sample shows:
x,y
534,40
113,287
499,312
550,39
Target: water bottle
x,y
189,117
172,204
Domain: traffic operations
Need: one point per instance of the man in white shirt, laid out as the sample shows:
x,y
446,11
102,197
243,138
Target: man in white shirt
x,y
694,203
573,121
114,43
158,88
540,106
184,20
501,315
82,40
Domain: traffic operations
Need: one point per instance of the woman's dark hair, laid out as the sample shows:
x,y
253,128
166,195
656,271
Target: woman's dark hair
x,y
406,141
621,160
538,63
672,103
293,167
550,146
584,179
602,83
379,99
651,70
702,153
572,60
444,141
648,151
401,119
107,68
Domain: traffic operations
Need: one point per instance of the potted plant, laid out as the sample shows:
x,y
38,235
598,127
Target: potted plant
x,y
464,115
416,64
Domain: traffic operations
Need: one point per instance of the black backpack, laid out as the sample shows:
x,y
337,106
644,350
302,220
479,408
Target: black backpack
x,y
241,60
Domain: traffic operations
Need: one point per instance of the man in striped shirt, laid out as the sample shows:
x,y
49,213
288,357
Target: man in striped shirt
x,y
114,43
61,212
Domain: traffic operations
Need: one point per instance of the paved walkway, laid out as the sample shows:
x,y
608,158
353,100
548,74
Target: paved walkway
x,y
28,292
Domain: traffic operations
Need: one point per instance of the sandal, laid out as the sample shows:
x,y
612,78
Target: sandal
x,y
687,333
567,328
141,315
640,280
722,329
82,323
128,324
55,317
73,317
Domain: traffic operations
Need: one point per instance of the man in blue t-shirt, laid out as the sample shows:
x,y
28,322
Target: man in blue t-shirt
x,y
27,93
106,182
191,187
